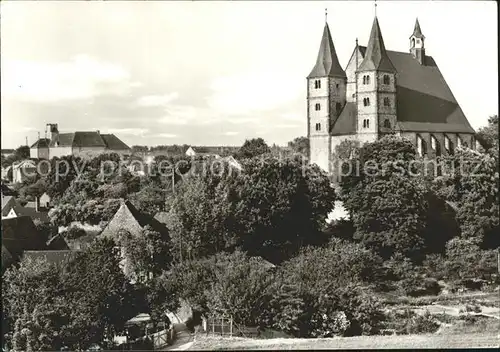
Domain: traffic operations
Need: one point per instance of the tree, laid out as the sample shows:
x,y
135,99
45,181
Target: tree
x,y
23,152
300,145
386,203
488,136
149,199
253,147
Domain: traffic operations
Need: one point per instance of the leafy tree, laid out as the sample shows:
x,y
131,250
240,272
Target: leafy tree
x,y
300,145
386,203
253,147
488,136
149,199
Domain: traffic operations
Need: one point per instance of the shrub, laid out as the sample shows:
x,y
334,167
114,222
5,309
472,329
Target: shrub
x,y
421,324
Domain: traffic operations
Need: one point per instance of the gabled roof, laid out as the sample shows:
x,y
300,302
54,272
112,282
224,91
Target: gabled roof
x,y
417,32
327,63
88,139
113,142
376,57
424,100
20,234
62,140
41,143
57,243
42,216
7,203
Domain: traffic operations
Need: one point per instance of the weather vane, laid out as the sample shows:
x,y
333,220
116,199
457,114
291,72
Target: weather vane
x,y
375,8
326,14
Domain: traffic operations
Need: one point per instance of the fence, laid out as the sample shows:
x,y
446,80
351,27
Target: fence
x,y
225,326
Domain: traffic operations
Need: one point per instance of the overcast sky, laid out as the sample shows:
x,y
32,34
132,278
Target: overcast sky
x,y
213,73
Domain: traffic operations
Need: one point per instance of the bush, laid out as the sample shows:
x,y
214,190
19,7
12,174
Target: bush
x,y
421,324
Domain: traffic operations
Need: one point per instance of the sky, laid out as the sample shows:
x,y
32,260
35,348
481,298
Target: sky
x,y
213,73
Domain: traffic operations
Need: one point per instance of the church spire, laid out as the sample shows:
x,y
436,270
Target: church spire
x,y
327,63
376,56
417,32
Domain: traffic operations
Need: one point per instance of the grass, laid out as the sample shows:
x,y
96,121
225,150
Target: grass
x,y
479,340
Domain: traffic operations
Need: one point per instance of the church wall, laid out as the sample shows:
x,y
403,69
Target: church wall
x,y
59,151
320,151
87,152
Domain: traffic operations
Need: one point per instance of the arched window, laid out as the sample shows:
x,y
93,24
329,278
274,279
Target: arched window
x,y
367,101
387,102
387,80
318,127
367,79
367,123
364,102
387,123
364,123
317,107
364,79
413,42
317,84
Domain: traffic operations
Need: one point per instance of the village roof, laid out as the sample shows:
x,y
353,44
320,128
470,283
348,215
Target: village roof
x,y
424,101
376,57
88,139
7,191
41,143
5,201
57,243
327,62
20,234
113,142
52,257
42,216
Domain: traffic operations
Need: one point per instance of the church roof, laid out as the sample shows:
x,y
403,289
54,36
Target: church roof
x,y
327,63
88,139
376,57
41,143
424,100
417,32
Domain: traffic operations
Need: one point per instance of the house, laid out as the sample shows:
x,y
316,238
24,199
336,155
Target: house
x,y
8,202
40,149
190,151
382,92
129,219
34,213
23,170
57,243
19,234
41,203
85,144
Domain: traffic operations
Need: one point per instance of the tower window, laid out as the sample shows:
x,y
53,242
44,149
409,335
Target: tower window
x,y
366,123
367,79
413,42
338,106
387,123
366,101
421,146
387,80
353,95
459,142
337,85
318,127
317,107
387,102
317,84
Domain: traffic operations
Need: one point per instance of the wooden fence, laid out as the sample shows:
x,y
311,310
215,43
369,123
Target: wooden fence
x,y
222,325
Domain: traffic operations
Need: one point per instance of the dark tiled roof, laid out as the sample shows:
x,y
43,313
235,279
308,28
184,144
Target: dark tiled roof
x,y
42,216
20,234
327,63
57,243
113,142
417,32
376,57
52,257
145,219
88,139
63,140
41,143
425,103
7,258
7,200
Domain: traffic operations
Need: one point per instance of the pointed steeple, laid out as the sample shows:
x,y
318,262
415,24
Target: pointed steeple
x,y
327,63
376,56
417,32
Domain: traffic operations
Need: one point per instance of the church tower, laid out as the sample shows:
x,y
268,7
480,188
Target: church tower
x,y
417,46
376,90
326,95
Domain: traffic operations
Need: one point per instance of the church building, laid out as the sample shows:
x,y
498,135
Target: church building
x,y
382,92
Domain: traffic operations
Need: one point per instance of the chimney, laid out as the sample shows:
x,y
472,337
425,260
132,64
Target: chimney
x,y
53,130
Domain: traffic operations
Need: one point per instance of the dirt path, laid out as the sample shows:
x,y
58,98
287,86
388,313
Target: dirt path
x,y
183,338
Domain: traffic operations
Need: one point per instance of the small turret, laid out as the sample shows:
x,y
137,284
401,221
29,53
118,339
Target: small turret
x,y
417,46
